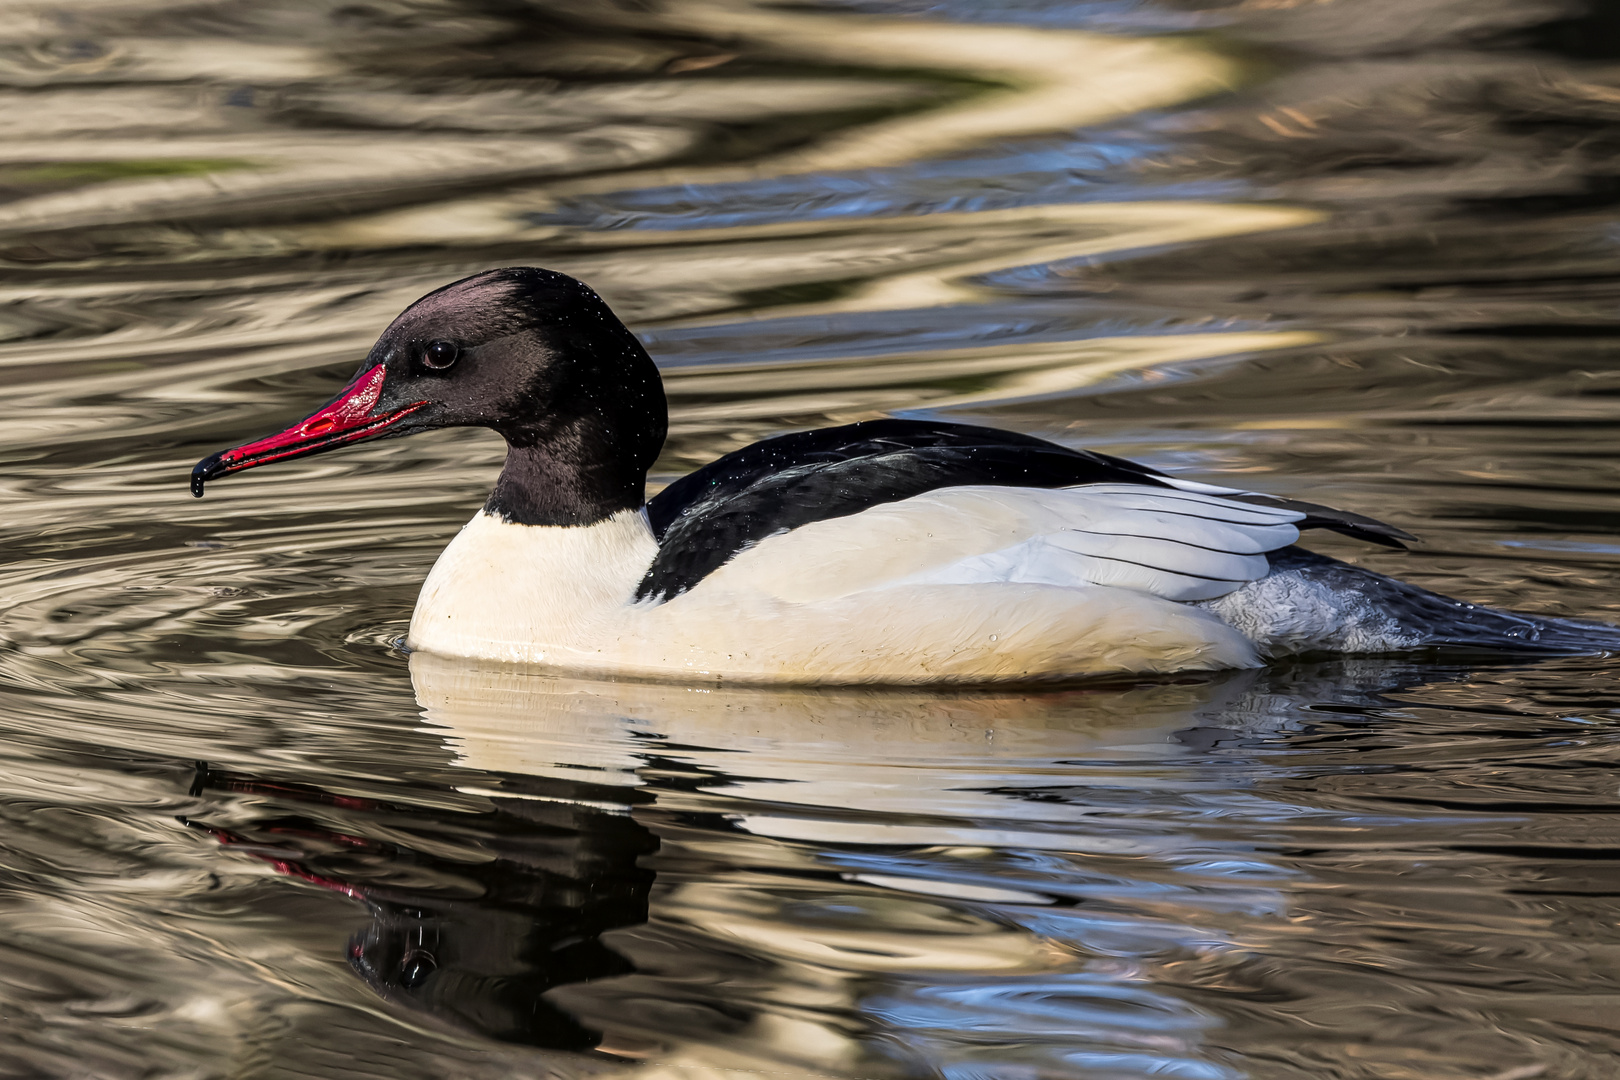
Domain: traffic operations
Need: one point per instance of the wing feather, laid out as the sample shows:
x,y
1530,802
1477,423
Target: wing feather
x,y
1146,539
780,485
1141,497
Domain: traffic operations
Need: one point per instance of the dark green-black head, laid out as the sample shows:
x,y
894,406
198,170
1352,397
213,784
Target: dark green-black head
x,y
529,353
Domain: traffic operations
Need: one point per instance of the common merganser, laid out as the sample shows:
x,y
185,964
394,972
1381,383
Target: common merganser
x,y
883,551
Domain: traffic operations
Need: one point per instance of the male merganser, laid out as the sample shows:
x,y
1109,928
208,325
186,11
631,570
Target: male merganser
x,y
882,551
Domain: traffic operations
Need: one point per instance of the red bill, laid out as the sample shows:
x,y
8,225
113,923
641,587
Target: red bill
x,y
346,419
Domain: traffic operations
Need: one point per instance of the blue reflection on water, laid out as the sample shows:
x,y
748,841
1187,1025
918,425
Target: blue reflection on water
x,y
1094,167
1081,1003
1583,546
1136,16
798,338
1129,1026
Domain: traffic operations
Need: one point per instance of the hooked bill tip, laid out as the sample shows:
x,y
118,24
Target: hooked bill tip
x,y
201,473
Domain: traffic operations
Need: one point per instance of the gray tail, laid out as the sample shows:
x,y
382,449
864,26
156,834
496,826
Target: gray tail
x,y
1312,603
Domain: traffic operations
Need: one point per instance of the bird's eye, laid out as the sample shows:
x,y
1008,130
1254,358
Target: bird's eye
x,y
440,355
414,968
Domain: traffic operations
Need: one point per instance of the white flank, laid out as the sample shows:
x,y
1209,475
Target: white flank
x,y
961,584
1169,544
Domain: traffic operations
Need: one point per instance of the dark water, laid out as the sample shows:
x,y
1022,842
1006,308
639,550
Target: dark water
x,y
1366,253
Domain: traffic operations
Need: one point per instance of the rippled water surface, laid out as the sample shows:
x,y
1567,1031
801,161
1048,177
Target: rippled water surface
x,y
1363,252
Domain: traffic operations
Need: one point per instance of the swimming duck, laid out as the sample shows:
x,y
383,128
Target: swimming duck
x,y
889,550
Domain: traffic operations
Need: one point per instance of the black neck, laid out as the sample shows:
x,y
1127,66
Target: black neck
x,y
560,482
586,425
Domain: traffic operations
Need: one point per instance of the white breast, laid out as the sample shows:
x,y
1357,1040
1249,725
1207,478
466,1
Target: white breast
x,y
532,594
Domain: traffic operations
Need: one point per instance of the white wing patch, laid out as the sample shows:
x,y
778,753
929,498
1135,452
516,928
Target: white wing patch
x,y
1176,544
1208,489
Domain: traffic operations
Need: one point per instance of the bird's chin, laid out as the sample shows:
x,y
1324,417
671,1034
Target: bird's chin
x,y
348,418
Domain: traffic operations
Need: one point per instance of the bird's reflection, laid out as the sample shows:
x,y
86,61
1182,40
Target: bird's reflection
x,y
474,916
840,873
561,875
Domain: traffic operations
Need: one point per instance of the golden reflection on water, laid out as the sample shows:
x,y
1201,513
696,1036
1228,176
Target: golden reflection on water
x,y
1352,254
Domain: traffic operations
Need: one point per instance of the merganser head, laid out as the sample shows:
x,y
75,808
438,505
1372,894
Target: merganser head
x,y
532,354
